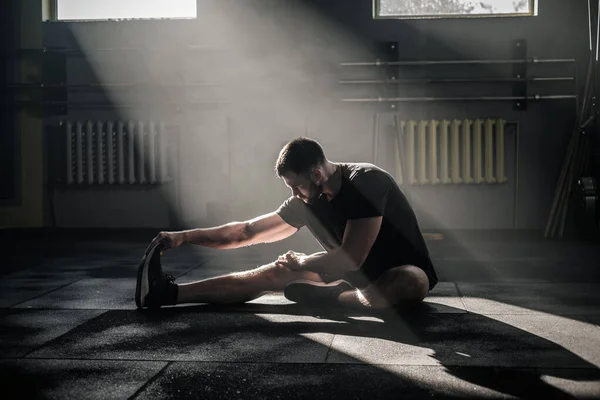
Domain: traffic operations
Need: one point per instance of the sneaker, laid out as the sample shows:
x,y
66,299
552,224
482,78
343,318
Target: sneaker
x,y
153,288
316,293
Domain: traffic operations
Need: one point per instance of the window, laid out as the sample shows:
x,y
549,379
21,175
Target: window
x,y
407,9
90,10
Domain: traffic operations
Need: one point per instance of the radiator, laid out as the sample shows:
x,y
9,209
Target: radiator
x,y
116,153
450,152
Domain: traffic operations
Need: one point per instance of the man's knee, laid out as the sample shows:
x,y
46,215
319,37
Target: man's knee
x,y
277,277
403,285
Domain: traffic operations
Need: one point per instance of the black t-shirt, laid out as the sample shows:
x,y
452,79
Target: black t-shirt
x,y
366,191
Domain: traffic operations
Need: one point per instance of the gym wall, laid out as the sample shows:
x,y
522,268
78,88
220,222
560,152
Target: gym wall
x,y
281,80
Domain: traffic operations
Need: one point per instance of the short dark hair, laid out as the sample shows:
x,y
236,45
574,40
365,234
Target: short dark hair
x,y
299,156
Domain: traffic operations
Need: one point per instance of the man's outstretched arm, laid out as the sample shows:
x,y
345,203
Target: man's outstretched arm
x,y
263,229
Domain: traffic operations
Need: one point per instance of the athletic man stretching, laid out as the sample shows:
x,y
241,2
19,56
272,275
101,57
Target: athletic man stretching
x,y
375,253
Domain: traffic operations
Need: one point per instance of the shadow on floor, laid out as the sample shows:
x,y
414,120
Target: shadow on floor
x,y
464,344
500,343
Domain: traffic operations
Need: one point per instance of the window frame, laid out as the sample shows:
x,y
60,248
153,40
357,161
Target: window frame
x,y
533,5
50,14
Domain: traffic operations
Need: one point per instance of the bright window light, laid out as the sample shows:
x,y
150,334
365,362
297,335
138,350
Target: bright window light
x,y
453,8
86,10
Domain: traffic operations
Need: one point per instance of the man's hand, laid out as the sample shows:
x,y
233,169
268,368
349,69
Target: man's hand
x,y
292,260
168,240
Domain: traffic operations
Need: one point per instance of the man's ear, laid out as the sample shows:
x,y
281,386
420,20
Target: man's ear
x,y
316,175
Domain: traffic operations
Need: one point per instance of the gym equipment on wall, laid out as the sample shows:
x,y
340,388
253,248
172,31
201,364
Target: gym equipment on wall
x,y
587,205
48,94
392,67
581,167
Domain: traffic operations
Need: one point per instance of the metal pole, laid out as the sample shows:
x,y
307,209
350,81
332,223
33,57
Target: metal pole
x,y
597,29
429,99
378,63
83,105
454,80
88,50
116,104
590,23
106,84
375,137
230,141
516,192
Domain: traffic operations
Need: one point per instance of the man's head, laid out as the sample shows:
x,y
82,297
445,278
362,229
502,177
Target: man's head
x,y
300,164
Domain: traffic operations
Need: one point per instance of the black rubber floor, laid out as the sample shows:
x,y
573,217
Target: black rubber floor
x,y
513,316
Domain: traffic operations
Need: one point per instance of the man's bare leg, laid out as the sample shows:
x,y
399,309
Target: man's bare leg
x,y
400,287
240,287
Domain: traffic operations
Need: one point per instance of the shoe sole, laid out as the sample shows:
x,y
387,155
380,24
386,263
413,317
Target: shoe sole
x,y
141,287
296,291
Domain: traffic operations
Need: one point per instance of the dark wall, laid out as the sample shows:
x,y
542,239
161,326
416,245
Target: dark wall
x,y
8,153
280,62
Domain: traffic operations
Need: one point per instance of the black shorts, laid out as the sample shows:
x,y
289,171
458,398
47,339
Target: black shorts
x,y
375,266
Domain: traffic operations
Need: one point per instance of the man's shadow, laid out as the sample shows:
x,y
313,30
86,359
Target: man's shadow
x,y
484,357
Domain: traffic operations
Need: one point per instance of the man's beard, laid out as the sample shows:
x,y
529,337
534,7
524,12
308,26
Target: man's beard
x,y
316,192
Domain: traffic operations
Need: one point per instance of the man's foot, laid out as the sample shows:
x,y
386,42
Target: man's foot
x,y
154,289
316,294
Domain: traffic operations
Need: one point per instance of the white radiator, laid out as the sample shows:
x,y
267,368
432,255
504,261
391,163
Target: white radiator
x,y
116,153
450,152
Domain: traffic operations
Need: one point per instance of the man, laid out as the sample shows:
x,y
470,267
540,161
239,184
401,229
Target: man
x,y
375,254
